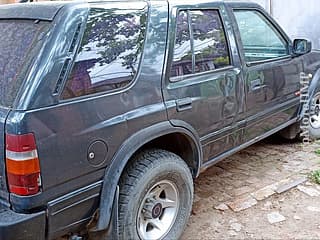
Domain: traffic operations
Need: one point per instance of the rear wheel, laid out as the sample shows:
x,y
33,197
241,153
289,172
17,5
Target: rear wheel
x,y
156,192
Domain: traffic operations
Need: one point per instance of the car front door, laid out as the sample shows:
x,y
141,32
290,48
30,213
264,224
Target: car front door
x,y
202,85
271,73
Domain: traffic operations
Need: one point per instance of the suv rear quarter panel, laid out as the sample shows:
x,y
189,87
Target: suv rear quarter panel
x,y
64,130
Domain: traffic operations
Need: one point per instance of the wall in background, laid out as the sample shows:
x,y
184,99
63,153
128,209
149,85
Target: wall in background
x,y
300,19
6,1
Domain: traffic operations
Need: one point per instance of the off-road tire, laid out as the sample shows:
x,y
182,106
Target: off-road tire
x,y
144,171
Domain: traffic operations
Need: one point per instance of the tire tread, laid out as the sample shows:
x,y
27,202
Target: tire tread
x,y
140,165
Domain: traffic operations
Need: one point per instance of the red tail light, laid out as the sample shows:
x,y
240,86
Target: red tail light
x,y
22,163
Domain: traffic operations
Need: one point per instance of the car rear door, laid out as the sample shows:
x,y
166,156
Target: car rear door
x,y
271,73
202,82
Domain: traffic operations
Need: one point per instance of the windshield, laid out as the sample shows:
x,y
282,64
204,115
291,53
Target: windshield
x,y
20,42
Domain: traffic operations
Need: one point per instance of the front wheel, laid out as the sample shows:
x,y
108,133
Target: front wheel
x,y
314,120
156,192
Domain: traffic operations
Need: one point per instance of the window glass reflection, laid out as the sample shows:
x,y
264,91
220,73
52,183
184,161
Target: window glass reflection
x,y
109,54
210,44
182,60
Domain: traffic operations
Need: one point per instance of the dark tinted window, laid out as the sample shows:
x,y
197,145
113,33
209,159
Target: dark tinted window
x,y
110,52
182,60
210,44
20,42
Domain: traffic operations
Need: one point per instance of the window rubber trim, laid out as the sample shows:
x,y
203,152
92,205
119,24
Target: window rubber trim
x,y
193,57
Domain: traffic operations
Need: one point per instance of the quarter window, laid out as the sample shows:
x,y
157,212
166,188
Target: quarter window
x,y
261,41
109,54
201,43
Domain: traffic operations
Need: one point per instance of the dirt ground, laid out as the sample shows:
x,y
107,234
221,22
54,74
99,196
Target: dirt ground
x,y
262,192
259,193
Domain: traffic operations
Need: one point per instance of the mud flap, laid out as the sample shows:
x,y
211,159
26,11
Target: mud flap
x,y
111,232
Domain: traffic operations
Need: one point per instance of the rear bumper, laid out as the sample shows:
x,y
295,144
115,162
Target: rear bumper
x,y
69,213
21,226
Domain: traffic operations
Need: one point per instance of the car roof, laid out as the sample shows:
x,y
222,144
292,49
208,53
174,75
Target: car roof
x,y
39,10
48,10
232,3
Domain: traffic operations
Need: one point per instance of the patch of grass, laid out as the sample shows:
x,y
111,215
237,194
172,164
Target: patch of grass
x,y
315,176
317,152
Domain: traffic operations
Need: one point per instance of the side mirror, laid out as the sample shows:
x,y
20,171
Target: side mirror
x,y
301,46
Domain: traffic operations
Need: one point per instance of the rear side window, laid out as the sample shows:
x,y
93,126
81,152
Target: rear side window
x,y
201,43
20,43
109,54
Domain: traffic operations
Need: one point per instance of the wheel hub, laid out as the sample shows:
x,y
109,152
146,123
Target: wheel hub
x,y
158,211
152,209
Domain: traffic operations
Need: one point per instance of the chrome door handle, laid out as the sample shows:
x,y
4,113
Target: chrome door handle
x,y
184,104
256,85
